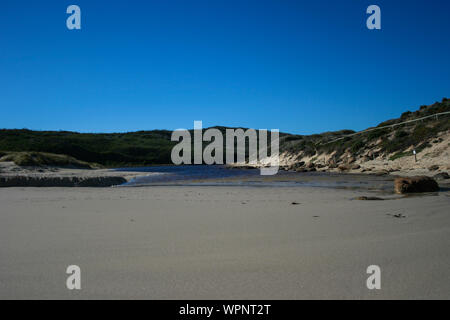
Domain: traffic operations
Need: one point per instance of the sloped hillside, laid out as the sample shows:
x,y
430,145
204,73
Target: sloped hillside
x,y
109,149
391,140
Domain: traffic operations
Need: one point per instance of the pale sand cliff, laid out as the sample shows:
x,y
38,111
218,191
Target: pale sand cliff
x,y
437,155
221,242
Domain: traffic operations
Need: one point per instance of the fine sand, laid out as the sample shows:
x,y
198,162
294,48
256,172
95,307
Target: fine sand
x,y
184,242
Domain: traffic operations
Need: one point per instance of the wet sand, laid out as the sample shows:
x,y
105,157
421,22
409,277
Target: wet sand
x,y
186,242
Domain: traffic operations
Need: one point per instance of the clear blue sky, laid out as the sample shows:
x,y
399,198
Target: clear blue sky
x,y
299,66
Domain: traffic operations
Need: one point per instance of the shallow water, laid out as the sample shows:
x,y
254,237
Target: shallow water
x,y
204,175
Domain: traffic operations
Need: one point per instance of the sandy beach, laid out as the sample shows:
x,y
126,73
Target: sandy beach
x,y
225,150
186,242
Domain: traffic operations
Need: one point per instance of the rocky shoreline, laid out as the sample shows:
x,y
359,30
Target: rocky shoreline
x,y
26,181
12,175
432,161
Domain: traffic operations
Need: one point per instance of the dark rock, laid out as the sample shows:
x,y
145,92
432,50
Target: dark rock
x,y
433,168
25,181
344,167
381,173
247,167
299,164
369,198
415,184
295,165
441,176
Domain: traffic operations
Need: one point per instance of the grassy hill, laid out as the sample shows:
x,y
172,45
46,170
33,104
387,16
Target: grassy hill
x,y
115,149
112,149
45,159
394,139
154,147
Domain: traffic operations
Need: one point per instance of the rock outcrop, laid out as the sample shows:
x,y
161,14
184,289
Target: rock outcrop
x,y
415,184
39,181
442,176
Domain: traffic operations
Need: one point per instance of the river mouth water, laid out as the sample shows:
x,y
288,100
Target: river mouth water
x,y
217,175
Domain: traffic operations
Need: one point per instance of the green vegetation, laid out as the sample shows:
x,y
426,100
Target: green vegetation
x,y
400,155
154,147
44,159
115,149
389,140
